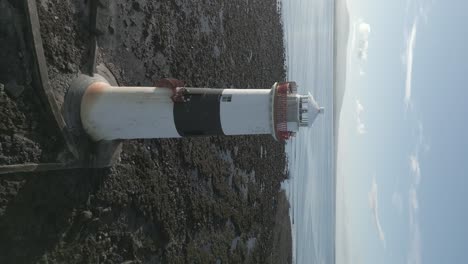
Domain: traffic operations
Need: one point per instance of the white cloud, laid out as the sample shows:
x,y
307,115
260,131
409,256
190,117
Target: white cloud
x,y
397,202
422,144
415,246
413,199
353,36
374,206
410,44
363,50
348,248
415,243
361,127
359,35
416,13
414,256
423,9
420,133
415,168
363,31
359,107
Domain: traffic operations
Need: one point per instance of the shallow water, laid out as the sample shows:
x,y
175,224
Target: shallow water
x,y
308,29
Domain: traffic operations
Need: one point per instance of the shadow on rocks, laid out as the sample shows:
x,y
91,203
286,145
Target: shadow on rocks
x,y
37,212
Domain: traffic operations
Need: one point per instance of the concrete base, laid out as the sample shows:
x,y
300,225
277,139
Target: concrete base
x,y
92,154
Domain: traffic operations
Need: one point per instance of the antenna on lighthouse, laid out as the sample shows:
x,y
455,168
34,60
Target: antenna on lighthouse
x,y
313,110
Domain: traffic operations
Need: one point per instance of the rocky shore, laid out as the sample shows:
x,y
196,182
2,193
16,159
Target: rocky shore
x,y
194,200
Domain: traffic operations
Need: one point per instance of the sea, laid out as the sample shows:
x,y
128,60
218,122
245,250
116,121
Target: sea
x,y
309,42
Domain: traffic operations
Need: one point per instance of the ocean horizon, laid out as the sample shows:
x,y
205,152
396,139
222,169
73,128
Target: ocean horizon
x,y
309,47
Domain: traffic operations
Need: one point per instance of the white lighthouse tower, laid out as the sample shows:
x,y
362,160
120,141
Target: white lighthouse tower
x,y
110,112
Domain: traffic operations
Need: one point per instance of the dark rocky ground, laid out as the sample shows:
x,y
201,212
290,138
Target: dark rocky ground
x,y
25,133
196,200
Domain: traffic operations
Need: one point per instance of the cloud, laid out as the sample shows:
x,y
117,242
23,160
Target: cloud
x,y
410,44
361,128
413,199
374,206
359,107
360,32
363,31
353,36
415,243
415,168
397,202
415,246
421,148
422,144
417,12
363,50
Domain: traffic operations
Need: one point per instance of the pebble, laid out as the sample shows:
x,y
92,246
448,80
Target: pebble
x,y
44,259
106,211
86,215
70,67
13,89
136,6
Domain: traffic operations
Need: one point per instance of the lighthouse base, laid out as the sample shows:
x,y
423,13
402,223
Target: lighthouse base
x,y
92,154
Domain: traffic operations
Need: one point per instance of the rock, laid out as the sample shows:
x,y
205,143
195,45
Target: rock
x,y
136,6
86,215
13,89
44,259
2,88
21,139
70,67
106,211
138,227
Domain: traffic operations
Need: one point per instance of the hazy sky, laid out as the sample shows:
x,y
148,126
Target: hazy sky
x,y
403,153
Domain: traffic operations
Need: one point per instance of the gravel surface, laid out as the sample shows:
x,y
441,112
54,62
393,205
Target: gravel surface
x,y
193,200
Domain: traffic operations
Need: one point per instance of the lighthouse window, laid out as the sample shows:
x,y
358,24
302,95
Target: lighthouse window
x,y
226,98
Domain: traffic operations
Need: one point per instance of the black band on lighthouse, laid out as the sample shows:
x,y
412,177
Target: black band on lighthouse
x,y
199,113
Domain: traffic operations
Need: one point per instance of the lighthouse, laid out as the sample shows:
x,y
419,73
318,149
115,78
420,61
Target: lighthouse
x,y
172,110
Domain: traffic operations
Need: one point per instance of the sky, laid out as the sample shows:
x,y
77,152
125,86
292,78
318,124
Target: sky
x,y
403,148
